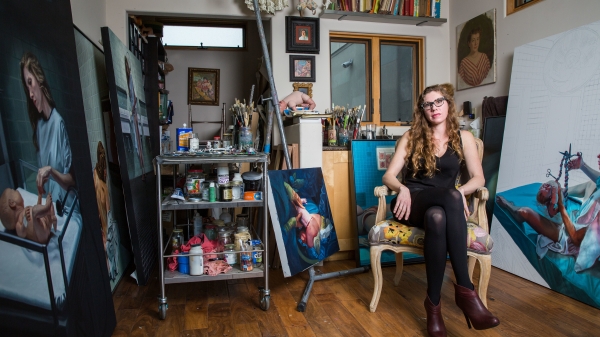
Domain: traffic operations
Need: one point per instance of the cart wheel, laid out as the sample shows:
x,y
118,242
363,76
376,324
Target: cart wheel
x,y
265,302
162,311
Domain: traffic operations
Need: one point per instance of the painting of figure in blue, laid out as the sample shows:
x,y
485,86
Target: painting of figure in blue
x,y
301,218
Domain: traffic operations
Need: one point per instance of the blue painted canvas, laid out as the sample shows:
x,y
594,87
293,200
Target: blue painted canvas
x,y
301,217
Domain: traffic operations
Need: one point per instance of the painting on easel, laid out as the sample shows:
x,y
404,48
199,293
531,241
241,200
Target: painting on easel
x,y
302,219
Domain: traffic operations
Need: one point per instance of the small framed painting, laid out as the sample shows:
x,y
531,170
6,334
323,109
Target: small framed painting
x,y
302,35
203,86
303,87
384,157
302,68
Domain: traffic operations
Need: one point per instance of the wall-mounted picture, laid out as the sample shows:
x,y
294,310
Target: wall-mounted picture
x,y
203,86
302,68
302,35
384,157
302,220
303,87
54,279
133,144
476,51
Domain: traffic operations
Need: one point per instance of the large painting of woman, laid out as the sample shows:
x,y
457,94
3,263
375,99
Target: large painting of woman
x,y
476,51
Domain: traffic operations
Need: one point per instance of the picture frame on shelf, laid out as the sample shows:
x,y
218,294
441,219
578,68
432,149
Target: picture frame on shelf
x,y
302,35
203,86
302,68
303,87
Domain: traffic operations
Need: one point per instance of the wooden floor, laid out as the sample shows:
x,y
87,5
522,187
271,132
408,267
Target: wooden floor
x,y
339,307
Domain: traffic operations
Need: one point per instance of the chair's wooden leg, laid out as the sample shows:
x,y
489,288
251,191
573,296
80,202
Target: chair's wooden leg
x,y
399,268
377,276
485,264
472,263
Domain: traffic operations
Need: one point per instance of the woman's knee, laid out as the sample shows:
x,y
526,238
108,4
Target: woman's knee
x,y
435,220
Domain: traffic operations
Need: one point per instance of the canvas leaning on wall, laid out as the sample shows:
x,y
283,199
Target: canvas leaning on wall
x,y
301,217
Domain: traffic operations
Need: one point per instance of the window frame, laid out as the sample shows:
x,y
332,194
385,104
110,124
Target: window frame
x,y
197,22
374,80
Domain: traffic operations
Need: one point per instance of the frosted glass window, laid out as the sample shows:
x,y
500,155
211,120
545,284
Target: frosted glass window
x,y
210,37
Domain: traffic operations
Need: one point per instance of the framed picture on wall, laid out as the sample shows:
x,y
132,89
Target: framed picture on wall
x,y
203,86
302,68
303,87
476,51
301,35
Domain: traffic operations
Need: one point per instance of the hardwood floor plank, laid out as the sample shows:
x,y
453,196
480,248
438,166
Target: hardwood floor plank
x,y
125,320
221,327
196,311
300,331
340,307
195,333
173,324
247,330
317,317
343,320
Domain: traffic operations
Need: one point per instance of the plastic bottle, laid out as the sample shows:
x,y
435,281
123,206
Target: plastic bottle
x,y
197,224
212,194
196,261
223,174
237,188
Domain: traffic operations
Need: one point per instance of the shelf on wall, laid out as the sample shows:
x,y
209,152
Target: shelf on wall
x,y
382,18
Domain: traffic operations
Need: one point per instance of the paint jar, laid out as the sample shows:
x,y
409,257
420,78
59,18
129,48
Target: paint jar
x,y
246,258
176,240
342,137
225,192
245,138
210,231
194,143
257,253
224,239
216,143
193,183
230,254
183,263
196,261
227,137
332,136
252,181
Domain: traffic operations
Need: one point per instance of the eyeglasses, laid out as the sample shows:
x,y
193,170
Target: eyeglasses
x,y
429,105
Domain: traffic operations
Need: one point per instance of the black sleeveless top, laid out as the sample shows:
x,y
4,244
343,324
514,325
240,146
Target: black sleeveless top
x,y
448,166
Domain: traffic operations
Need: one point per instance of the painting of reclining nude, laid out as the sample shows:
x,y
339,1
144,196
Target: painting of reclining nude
x,y
301,217
546,224
51,281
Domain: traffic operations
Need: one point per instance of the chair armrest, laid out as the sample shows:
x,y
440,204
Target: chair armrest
x,y
381,192
482,194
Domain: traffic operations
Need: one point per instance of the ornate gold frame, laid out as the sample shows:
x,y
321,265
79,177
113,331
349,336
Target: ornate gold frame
x,y
307,86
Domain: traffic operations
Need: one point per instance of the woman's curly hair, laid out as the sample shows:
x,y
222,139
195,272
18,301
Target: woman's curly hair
x,y
421,149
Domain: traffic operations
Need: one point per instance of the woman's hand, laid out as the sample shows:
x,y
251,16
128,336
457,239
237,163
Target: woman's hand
x,y
403,202
42,177
465,205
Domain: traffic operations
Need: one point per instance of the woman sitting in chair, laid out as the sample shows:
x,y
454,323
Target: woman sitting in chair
x,y
433,151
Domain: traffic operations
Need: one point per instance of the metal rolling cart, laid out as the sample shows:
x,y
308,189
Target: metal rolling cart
x,y
168,277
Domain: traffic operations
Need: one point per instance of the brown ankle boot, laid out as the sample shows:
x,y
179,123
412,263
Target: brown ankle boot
x,y
475,312
435,321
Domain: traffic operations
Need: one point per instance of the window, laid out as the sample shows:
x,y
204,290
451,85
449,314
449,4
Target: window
x,y
204,36
382,71
517,5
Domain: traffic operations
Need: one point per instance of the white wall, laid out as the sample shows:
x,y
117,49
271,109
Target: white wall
x,y
237,74
89,16
436,42
540,20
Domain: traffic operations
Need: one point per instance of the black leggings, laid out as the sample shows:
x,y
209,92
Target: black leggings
x,y
440,212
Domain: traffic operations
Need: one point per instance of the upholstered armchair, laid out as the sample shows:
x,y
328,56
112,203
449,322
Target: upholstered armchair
x,y
478,242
